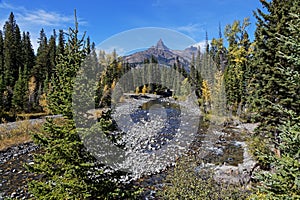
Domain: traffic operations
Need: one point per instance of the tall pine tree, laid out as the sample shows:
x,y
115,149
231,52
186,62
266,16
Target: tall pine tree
x,y
282,182
235,72
1,54
28,56
67,167
269,82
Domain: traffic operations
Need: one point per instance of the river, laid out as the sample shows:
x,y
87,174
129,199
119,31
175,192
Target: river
x,y
159,128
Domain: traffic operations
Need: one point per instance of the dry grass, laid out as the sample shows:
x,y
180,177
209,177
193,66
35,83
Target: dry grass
x,y
31,115
19,134
23,131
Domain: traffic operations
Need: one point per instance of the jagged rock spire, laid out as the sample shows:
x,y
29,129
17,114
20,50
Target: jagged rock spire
x,y
160,45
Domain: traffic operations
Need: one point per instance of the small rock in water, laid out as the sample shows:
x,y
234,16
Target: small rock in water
x,y
13,195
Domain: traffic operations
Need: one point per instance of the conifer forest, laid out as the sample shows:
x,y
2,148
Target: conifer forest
x,y
220,123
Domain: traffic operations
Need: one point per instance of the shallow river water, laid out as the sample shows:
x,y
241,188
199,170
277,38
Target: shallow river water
x,y
158,127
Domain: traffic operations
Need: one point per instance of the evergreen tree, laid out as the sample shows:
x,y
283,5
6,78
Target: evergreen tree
x,y
1,54
18,51
19,93
60,96
218,52
2,89
52,54
269,69
42,60
12,59
61,43
238,54
282,182
10,49
41,67
69,171
88,45
2,86
27,52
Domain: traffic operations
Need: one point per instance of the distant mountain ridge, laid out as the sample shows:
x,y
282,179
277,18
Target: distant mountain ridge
x,y
163,55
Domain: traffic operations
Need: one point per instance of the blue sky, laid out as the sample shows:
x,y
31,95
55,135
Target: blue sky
x,y
103,19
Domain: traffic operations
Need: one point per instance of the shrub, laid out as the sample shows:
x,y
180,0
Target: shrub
x,y
186,183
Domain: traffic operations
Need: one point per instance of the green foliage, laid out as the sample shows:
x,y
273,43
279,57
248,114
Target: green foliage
x,y
283,181
187,183
60,97
16,53
20,92
195,75
275,85
275,78
237,66
28,57
1,54
2,88
218,52
67,168
268,81
63,165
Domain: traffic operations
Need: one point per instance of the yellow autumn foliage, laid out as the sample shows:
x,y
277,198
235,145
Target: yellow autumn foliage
x,y
144,90
206,94
137,90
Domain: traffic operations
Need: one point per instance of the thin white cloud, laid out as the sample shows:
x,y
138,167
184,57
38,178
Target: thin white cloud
x,y
5,5
201,45
190,28
44,18
34,20
39,16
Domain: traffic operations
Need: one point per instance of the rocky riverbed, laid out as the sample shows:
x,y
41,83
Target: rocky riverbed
x,y
158,132
13,175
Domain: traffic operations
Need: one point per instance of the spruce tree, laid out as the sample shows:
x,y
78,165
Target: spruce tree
x,y
12,59
18,51
52,52
1,54
2,87
60,95
42,60
18,93
41,67
68,169
235,72
269,83
196,68
10,70
27,52
61,43
88,45
282,182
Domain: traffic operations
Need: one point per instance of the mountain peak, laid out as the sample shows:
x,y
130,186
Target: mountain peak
x,y
160,45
